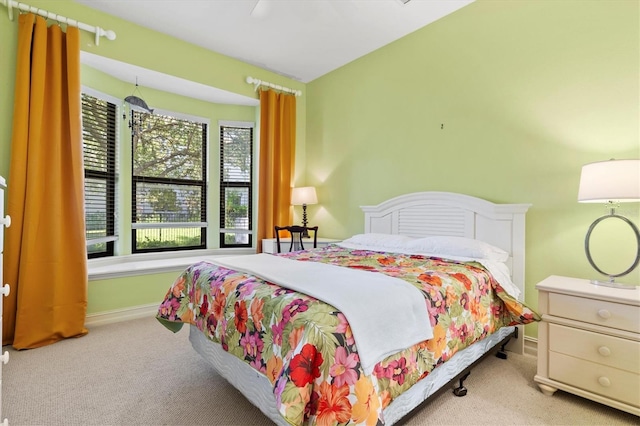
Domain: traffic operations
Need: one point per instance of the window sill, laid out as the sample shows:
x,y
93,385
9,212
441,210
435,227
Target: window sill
x,y
154,263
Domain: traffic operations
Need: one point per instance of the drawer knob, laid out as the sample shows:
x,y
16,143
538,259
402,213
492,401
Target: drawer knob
x,y
604,351
604,314
604,381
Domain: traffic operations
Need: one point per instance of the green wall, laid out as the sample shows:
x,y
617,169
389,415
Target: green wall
x,y
503,100
117,293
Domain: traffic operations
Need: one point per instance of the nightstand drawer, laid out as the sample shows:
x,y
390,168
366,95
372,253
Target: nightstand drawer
x,y
602,380
607,350
608,314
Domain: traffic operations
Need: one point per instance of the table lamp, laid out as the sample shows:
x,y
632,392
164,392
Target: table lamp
x,y
611,182
301,197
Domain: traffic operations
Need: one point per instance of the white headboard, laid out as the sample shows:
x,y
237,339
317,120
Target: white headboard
x,y
423,214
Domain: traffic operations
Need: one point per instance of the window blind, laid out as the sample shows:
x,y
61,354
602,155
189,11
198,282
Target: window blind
x,y
236,186
168,183
99,134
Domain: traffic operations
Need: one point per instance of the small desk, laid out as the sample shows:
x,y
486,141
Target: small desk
x,y
269,244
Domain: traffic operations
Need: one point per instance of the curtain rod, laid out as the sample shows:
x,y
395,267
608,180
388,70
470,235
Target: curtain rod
x,y
99,32
257,83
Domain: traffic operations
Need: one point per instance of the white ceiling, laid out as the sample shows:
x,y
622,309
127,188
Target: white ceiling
x,y
300,39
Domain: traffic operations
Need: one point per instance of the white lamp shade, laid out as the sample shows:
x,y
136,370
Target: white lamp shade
x,y
304,195
613,180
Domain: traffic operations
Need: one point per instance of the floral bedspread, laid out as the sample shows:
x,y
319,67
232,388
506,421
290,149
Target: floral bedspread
x,y
305,346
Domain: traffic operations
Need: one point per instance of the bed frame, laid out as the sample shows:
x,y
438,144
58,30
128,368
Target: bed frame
x,y
417,214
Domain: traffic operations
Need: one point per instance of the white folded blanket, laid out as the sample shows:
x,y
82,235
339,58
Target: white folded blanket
x,y
386,314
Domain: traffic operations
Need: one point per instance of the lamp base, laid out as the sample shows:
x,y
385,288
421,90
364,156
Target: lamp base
x,y
613,284
305,233
612,277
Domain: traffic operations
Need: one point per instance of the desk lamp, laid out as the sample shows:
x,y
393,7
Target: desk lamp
x,y
301,197
611,182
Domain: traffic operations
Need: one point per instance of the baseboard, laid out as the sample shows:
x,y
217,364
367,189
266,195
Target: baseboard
x,y
117,315
530,346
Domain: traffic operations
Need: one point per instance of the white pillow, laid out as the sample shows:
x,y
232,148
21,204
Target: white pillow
x,y
457,246
389,241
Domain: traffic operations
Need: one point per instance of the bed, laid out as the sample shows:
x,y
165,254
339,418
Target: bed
x,y
275,326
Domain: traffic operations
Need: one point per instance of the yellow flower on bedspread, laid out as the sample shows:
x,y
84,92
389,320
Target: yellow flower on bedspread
x,y
438,343
365,411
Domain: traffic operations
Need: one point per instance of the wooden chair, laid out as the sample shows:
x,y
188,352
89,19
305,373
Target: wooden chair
x,y
296,233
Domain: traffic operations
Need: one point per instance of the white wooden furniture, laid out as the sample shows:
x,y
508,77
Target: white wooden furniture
x,y
269,244
415,214
4,290
589,341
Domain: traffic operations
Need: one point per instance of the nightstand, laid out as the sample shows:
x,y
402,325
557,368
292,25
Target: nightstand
x,y
269,244
589,341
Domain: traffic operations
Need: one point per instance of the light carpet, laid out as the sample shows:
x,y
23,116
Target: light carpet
x,y
139,373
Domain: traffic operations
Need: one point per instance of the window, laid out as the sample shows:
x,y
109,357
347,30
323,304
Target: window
x,y
99,136
236,181
168,183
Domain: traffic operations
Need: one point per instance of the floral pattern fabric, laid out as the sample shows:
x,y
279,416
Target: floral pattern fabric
x,y
305,347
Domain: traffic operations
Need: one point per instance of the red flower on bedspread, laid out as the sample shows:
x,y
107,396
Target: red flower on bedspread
x,y
305,367
240,319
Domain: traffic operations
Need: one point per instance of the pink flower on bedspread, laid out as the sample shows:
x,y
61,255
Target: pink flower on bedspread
x,y
293,308
483,286
343,370
399,370
344,328
463,332
258,365
219,276
382,372
464,300
251,344
279,388
169,308
437,305
277,329
246,288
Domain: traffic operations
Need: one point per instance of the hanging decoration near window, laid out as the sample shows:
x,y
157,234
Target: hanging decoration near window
x,y
136,103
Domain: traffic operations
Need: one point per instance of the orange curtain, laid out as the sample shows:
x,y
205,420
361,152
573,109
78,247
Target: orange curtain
x,y
45,248
277,157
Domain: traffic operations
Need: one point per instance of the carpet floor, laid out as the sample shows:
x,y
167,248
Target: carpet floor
x,y
139,373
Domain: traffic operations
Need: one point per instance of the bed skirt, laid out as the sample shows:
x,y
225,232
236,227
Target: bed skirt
x,y
257,388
